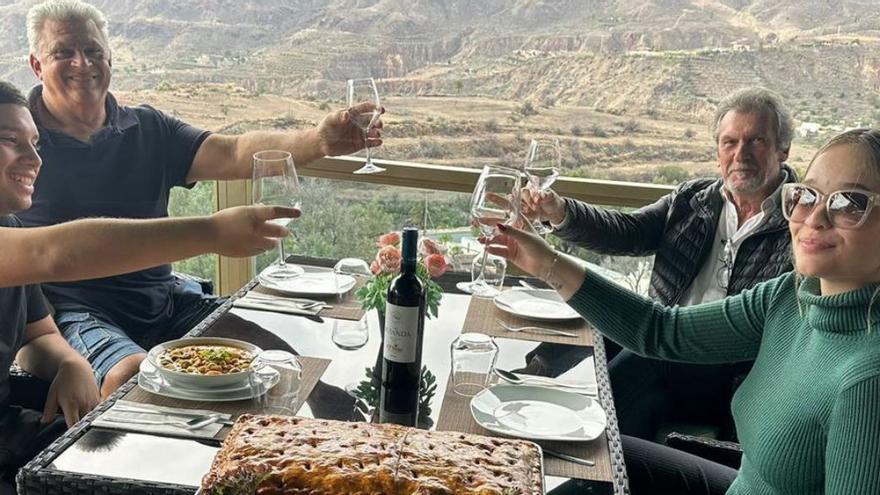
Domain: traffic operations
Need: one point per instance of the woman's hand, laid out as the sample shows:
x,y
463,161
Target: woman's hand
x,y
535,256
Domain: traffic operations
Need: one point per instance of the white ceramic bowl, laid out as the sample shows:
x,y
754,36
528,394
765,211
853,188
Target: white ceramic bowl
x,y
192,380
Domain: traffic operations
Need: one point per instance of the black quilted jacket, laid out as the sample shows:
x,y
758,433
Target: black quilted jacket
x,y
679,230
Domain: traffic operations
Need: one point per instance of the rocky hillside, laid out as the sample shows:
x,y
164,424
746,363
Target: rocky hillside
x,y
594,65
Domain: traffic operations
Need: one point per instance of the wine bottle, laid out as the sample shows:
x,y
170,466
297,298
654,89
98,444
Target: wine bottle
x,y
404,332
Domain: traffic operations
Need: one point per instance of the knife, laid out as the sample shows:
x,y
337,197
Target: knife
x,y
566,457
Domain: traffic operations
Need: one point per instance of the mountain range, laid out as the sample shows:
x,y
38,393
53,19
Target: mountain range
x,y
667,56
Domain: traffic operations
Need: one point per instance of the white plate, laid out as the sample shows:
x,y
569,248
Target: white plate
x,y
538,413
542,305
150,380
312,283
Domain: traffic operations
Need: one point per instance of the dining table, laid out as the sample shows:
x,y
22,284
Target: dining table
x,y
91,458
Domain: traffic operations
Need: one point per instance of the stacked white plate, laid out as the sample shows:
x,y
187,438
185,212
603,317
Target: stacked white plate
x,y
311,283
535,304
538,413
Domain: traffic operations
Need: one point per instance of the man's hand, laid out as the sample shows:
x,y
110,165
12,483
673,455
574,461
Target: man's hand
x,y
246,231
544,206
523,248
339,135
74,390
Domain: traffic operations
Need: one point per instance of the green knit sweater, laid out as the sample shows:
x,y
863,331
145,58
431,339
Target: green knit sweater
x,y
808,414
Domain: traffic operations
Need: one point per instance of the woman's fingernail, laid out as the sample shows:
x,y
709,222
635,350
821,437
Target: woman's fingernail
x,y
501,227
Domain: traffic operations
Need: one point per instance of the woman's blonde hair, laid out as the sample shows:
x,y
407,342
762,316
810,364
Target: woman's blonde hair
x,y
867,142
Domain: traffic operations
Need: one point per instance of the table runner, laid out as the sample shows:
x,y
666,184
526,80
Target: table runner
x,y
313,368
482,313
455,415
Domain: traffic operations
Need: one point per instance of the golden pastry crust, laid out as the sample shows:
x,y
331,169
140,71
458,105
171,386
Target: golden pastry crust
x,y
275,455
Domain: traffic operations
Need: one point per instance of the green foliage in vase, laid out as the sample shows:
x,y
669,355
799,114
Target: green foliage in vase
x,y
368,391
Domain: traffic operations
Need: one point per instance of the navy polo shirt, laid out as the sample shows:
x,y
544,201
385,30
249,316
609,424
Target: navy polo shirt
x,y
126,170
19,306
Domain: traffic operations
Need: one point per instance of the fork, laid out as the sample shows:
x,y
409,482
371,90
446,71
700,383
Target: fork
x,y
534,329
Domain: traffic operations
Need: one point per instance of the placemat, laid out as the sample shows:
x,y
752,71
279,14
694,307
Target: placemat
x,y
482,313
348,308
455,415
313,368
162,420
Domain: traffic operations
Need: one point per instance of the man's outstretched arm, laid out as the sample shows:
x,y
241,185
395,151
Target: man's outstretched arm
x,y
223,157
93,248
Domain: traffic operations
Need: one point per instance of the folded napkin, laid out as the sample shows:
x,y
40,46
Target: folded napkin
x,y
149,418
278,307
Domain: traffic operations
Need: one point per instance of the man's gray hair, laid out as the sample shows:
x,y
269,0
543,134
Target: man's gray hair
x,y
61,11
757,100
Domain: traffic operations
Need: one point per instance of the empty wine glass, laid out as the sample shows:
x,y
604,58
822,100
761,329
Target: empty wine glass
x,y
495,200
275,183
364,90
542,166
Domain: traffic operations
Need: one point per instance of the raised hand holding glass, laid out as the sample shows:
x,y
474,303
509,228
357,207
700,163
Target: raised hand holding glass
x,y
275,183
359,91
495,200
543,162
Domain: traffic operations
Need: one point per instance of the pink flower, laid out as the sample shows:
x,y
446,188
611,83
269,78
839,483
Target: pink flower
x,y
389,239
436,264
374,267
428,247
388,259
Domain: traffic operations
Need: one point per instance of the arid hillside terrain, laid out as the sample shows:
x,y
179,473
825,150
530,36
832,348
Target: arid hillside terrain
x,y
628,87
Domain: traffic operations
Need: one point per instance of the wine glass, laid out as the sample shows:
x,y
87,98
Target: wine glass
x,y
542,166
495,200
493,272
275,183
350,335
361,90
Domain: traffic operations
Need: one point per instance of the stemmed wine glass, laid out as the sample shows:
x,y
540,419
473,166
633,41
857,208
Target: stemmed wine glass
x,y
495,200
542,166
361,90
275,183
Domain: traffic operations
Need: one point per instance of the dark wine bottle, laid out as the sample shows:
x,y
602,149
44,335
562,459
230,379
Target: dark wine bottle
x,y
404,332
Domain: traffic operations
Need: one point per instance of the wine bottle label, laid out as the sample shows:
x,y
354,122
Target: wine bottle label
x,y
401,325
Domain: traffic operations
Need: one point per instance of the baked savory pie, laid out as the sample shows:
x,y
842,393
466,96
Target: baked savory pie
x,y
275,455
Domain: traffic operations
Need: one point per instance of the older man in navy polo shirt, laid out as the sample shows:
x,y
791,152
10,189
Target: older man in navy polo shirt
x,y
104,159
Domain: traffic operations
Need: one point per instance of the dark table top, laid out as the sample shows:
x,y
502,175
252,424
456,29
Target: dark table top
x,y
88,458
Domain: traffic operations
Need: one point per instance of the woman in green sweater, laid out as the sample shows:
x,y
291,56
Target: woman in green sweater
x,y
808,414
